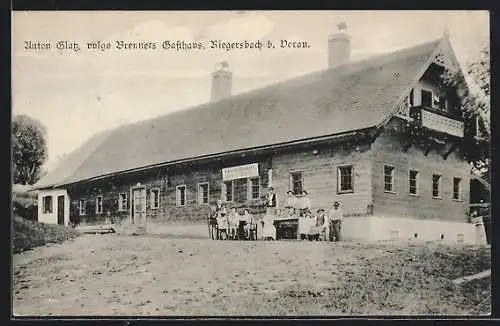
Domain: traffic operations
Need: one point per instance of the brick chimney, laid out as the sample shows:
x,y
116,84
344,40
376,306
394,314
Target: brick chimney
x,y
221,81
339,47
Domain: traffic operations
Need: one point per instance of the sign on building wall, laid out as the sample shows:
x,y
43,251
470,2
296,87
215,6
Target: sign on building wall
x,y
443,124
240,171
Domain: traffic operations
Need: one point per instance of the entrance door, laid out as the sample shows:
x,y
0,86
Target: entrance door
x,y
139,206
60,210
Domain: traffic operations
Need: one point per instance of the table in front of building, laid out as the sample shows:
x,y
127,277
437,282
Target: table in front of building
x,y
286,228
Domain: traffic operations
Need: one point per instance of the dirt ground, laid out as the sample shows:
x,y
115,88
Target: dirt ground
x,y
151,275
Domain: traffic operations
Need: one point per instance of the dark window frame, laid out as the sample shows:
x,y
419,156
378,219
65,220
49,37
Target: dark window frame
x,y
457,194
254,193
294,184
181,195
392,176
48,204
82,207
154,194
122,202
341,179
203,196
439,179
99,205
416,180
228,196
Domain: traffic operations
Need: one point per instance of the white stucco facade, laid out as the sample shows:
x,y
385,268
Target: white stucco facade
x,y
50,215
379,228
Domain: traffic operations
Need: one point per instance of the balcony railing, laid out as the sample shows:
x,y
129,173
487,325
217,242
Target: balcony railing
x,y
437,120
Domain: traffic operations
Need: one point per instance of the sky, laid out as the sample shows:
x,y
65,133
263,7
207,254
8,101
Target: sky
x,y
77,94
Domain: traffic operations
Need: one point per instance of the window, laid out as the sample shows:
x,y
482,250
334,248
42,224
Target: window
x,y
440,102
155,198
411,99
98,205
122,202
426,98
457,188
436,186
344,179
203,195
296,183
254,188
413,182
240,192
47,205
433,100
388,178
228,190
82,206
181,195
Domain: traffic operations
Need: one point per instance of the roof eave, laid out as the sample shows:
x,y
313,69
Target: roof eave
x,y
222,154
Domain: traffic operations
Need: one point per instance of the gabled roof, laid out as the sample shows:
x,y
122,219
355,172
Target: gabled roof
x,y
351,97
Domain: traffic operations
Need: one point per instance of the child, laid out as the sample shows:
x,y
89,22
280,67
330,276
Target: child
x,y
222,226
250,225
234,220
321,224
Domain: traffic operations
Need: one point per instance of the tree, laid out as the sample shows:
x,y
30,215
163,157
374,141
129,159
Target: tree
x,y
475,104
29,149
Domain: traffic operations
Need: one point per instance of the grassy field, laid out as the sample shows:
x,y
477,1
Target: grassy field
x,y
153,275
29,234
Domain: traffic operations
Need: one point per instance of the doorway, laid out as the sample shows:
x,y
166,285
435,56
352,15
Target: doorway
x,y
60,210
139,206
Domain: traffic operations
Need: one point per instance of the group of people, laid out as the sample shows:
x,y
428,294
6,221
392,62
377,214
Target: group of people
x,y
228,224
322,225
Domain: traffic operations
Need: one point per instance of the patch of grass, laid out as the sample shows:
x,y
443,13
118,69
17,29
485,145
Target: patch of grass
x,y
29,234
416,281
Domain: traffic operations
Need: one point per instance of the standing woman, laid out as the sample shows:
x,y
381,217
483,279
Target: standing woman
x,y
291,200
304,204
268,228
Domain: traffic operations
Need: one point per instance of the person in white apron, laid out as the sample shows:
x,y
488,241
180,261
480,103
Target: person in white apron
x,y
304,227
268,229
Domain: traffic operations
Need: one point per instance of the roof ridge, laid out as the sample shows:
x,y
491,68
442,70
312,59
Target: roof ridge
x,y
269,87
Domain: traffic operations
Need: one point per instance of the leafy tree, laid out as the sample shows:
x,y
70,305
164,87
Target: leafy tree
x,y
29,149
475,104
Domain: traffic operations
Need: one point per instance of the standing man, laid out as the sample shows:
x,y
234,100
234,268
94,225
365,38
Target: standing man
x,y
336,218
271,201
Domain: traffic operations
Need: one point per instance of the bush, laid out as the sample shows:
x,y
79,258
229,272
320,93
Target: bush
x,y
29,234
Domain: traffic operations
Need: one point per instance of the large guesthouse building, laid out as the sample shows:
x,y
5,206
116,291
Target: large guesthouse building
x,y
383,136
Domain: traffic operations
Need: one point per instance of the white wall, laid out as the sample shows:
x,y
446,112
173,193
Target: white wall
x,y
427,230
356,228
52,217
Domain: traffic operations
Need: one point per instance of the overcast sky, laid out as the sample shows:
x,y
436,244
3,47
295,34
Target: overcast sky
x,y
76,95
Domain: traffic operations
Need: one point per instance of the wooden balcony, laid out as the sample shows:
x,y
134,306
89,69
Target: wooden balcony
x,y
438,121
